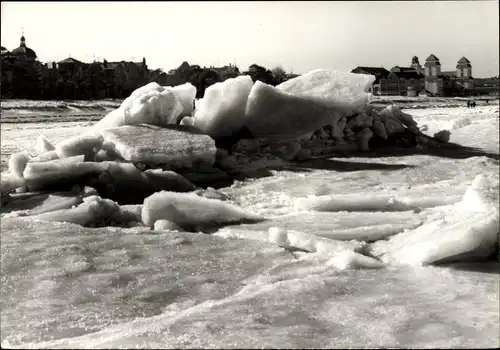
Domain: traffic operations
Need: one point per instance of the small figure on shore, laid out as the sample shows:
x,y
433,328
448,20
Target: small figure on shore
x,y
473,104
468,103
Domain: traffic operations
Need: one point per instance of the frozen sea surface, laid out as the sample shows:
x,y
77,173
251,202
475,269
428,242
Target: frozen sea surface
x,y
64,286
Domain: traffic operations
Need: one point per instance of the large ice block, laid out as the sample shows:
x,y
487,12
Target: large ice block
x,y
186,94
150,104
175,146
332,88
274,114
221,111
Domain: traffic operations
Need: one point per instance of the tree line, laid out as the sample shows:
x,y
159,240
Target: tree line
x,y
32,80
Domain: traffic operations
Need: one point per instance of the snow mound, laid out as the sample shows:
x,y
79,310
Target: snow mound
x,y
192,212
221,111
332,88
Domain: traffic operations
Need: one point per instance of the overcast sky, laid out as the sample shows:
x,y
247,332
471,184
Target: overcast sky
x,y
299,36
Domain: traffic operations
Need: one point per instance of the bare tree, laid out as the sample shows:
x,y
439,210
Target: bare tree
x,y
279,74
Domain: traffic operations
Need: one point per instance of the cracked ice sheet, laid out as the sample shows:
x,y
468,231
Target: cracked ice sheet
x,y
73,280
309,303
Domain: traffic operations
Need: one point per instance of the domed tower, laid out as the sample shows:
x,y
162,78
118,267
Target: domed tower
x,y
23,51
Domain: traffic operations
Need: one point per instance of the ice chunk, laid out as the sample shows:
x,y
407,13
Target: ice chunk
x,y
186,94
87,144
404,118
378,128
192,212
187,121
459,123
94,211
353,260
332,88
9,182
442,136
363,138
59,169
150,104
391,123
353,203
221,112
276,115
337,131
17,163
43,145
166,225
178,146
278,236
133,209
212,193
482,194
126,184
315,244
168,180
467,230
457,236
361,120
46,156
292,239
287,150
33,203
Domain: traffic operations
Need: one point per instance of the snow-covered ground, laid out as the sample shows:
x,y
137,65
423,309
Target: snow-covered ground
x,y
64,286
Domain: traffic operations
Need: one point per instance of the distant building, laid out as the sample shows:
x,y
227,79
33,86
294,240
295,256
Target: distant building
x,y
448,83
404,81
21,71
414,80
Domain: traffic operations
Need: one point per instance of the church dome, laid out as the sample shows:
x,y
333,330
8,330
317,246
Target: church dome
x,y
23,50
